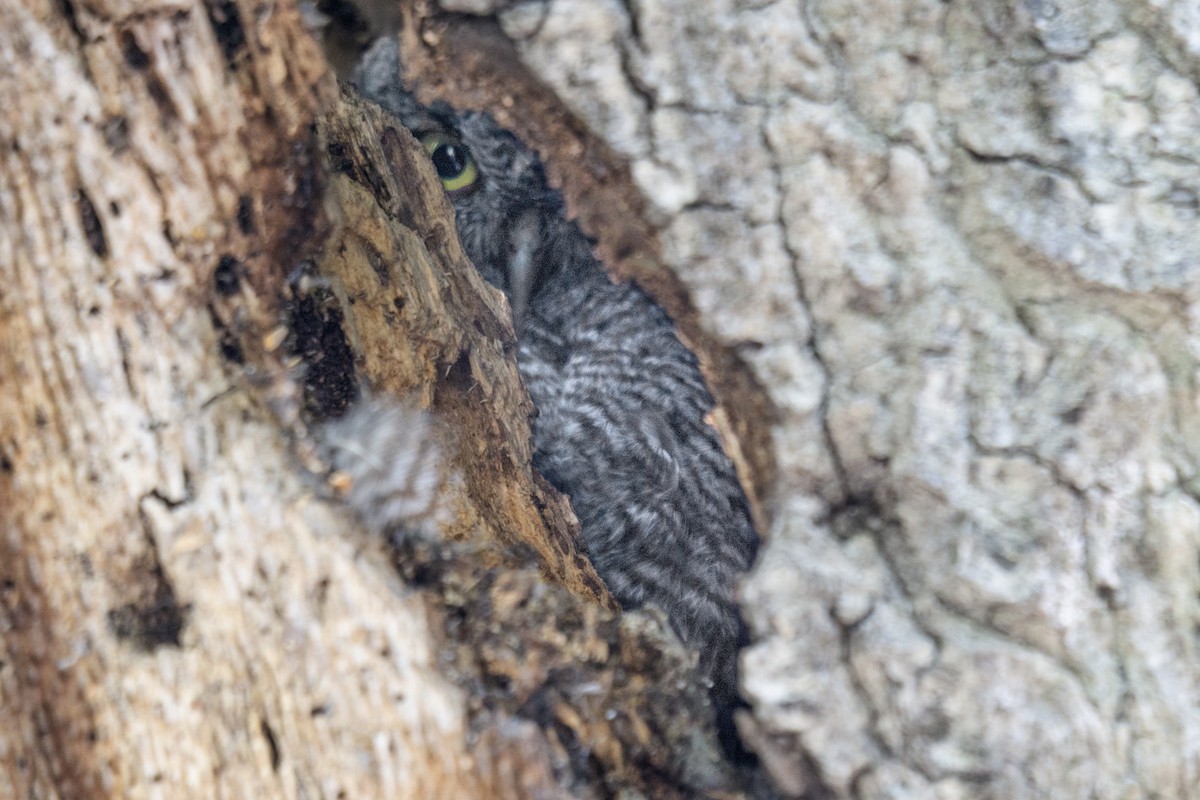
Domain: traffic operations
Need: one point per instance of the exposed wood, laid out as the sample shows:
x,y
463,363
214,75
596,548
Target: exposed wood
x,y
180,616
183,610
423,325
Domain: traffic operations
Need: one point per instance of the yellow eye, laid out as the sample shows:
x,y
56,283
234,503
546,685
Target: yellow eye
x,y
452,160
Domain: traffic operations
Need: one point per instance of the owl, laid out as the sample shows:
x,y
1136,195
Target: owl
x,y
621,404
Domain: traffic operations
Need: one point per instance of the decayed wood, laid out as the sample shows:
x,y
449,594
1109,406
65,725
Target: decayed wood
x,y
182,612
179,616
563,692
422,325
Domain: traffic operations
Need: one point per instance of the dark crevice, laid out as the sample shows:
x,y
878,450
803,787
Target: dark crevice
x,y
379,264
227,28
230,347
344,16
316,336
303,201
150,624
126,370
135,56
227,277
340,160
154,617
162,99
633,77
1032,162
859,688
173,503
458,375
360,170
93,229
68,13
245,215
116,134
272,744
796,260
635,25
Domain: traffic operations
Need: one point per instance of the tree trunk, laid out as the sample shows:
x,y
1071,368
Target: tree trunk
x,y
206,251
958,244
180,616
955,244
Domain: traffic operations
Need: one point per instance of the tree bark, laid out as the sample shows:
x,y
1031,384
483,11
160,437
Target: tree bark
x,y
180,615
957,243
205,251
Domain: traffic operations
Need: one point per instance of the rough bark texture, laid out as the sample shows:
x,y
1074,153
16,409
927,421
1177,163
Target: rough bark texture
x,y
957,242
405,311
180,616
182,611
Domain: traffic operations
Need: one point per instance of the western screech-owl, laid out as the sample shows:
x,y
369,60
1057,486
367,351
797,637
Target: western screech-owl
x,y
621,403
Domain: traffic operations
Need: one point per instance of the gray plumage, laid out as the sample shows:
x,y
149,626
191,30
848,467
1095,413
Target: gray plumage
x,y
389,455
621,402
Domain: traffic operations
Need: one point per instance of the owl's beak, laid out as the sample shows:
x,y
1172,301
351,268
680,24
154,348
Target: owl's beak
x,y
526,234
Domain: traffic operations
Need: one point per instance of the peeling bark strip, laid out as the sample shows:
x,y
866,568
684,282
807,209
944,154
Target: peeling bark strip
x,y
421,324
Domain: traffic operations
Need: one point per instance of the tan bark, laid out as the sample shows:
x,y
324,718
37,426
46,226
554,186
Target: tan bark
x,y
180,616
423,325
182,612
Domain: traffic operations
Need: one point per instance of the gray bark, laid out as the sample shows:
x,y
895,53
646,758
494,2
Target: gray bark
x,y
955,242
959,244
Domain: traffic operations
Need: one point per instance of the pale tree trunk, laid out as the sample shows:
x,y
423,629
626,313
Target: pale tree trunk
x,y
959,244
956,245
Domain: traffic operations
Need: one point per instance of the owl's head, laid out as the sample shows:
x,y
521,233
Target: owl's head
x,y
507,216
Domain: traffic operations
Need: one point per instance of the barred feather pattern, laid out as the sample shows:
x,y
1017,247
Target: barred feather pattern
x,y
622,407
392,466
